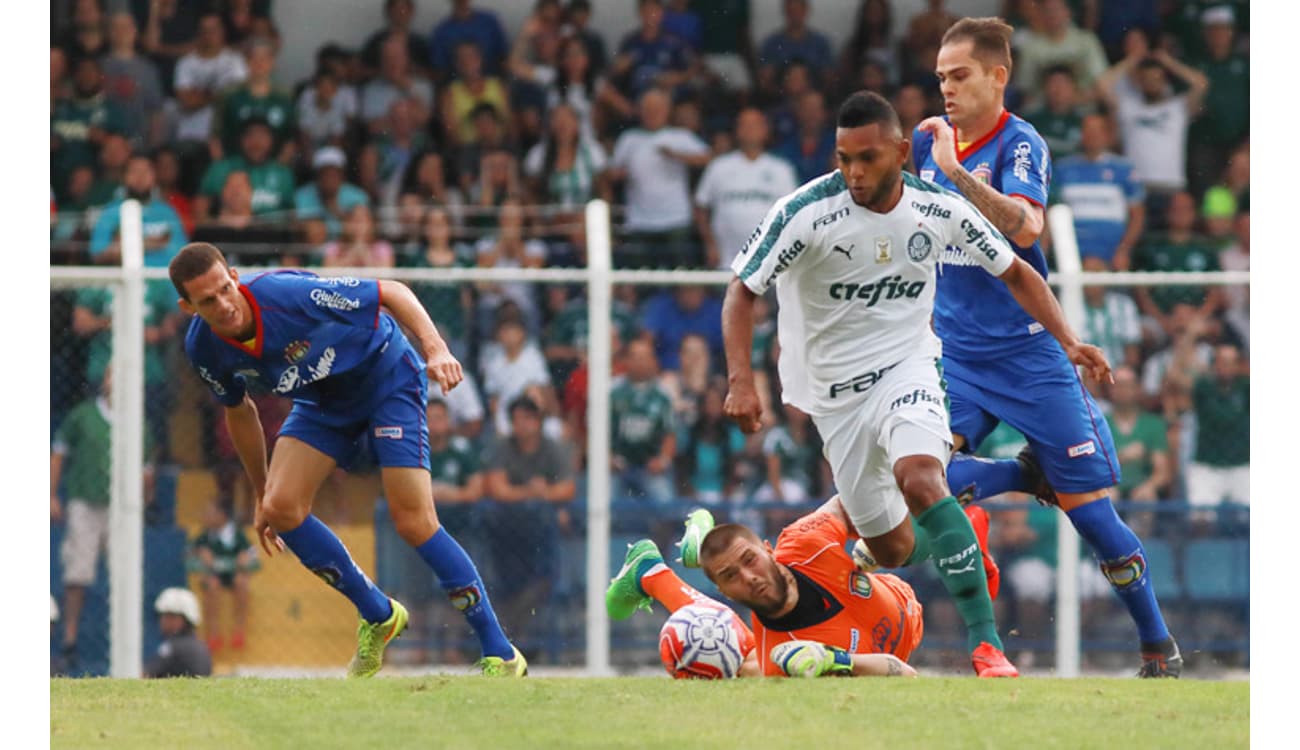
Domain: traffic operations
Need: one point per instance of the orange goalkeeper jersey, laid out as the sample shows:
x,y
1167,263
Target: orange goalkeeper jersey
x,y
839,605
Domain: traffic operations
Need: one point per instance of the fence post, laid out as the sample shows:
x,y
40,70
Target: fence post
x,y
126,519
599,283
1066,248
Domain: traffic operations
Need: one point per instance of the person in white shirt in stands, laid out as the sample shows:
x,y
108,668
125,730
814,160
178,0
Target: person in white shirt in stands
x,y
655,160
1153,120
201,75
464,407
737,189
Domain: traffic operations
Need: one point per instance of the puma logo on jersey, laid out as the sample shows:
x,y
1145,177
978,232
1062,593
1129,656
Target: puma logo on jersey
x,y
838,249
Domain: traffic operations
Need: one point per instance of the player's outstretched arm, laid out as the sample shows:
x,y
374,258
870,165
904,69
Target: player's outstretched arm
x,y
1035,296
742,402
444,369
813,659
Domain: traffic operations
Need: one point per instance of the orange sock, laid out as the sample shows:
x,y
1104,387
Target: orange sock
x,y
671,591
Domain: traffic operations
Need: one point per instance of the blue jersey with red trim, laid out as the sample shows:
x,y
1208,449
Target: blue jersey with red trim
x,y
974,313
323,342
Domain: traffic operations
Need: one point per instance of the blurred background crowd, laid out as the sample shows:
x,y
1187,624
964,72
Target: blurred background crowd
x,y
462,144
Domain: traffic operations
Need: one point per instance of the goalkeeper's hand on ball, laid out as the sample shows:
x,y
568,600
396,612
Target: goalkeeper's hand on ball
x,y
812,659
863,558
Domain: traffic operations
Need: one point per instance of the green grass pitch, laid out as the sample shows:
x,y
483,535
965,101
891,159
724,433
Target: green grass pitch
x,y
644,712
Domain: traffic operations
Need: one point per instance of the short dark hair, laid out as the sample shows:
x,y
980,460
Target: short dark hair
x,y
191,262
719,539
1060,69
525,403
1149,62
991,37
866,108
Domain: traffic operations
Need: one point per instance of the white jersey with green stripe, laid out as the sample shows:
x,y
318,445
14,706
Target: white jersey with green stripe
x,y
855,288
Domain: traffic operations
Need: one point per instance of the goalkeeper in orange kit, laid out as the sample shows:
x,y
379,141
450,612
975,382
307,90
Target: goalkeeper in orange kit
x,y
815,609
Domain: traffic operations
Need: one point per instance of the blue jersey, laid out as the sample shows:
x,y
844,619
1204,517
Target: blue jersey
x,y
1099,193
974,313
324,342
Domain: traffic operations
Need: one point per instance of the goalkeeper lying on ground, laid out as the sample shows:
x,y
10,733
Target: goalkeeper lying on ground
x,y
815,612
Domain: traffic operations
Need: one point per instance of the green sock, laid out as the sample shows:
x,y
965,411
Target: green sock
x,y
921,552
956,553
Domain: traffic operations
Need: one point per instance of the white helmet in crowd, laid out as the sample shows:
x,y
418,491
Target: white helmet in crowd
x,y
178,601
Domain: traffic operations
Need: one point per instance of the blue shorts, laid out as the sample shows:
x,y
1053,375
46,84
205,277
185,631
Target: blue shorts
x,y
396,430
1038,392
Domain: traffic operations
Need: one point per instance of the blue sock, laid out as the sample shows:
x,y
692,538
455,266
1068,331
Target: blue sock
x,y
1123,561
990,477
461,581
321,551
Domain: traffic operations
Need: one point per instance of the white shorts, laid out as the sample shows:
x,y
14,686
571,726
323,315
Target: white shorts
x,y
85,538
903,414
1210,485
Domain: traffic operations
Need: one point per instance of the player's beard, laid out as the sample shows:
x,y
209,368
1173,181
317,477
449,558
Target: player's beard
x,y
884,191
779,589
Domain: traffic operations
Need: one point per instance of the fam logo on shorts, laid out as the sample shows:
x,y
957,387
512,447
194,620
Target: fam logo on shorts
x,y
393,432
860,585
919,246
295,351
1082,449
982,173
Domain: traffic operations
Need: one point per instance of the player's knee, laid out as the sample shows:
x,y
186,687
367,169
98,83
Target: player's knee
x,y
414,525
283,513
921,481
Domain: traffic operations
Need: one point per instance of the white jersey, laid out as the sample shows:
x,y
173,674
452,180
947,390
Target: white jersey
x,y
855,288
738,191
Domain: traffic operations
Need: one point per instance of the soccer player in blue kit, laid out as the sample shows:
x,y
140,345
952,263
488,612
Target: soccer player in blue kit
x,y
998,362
334,346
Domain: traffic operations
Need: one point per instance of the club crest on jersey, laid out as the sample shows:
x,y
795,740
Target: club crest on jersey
x,y
919,246
295,351
983,173
860,585
883,254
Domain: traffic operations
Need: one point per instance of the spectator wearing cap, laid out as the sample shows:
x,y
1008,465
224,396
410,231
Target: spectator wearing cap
x,y
1225,119
398,15
256,98
328,198
465,24
203,74
395,81
272,181
181,653
1102,190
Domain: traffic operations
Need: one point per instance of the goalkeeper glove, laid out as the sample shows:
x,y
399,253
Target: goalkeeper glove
x,y
863,559
812,659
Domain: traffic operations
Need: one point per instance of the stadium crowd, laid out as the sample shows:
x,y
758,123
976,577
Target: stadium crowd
x,y
461,146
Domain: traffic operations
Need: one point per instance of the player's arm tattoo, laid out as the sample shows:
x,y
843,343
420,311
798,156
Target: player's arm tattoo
x,y
894,669
1008,214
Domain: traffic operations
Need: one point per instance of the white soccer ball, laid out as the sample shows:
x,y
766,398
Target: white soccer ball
x,y
700,641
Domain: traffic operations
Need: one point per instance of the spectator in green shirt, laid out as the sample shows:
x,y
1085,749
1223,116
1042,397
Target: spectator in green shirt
x,y
256,98
1141,441
641,423
81,460
1220,468
1060,118
272,182
1179,249
223,557
79,123
1225,119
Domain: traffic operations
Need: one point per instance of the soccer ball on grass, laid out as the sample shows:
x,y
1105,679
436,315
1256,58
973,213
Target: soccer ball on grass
x,y
701,642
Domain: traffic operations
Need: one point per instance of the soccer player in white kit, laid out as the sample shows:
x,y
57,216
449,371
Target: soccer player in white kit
x,y
854,255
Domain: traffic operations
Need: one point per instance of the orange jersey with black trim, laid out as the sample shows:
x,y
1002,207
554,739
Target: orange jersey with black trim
x,y
839,605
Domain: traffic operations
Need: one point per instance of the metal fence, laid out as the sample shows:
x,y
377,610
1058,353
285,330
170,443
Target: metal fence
x,y
546,564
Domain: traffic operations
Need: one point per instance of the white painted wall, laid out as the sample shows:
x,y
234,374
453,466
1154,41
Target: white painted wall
x,y
307,24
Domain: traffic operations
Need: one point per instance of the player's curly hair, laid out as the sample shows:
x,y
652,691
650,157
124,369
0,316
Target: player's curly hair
x,y
191,262
866,108
991,37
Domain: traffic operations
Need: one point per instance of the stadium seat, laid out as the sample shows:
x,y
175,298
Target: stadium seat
x,y
1217,570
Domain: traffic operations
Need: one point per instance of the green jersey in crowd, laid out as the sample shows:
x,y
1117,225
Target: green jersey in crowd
x,y
160,300
1148,430
238,106
641,416
1222,421
272,183
455,463
84,439
1162,253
